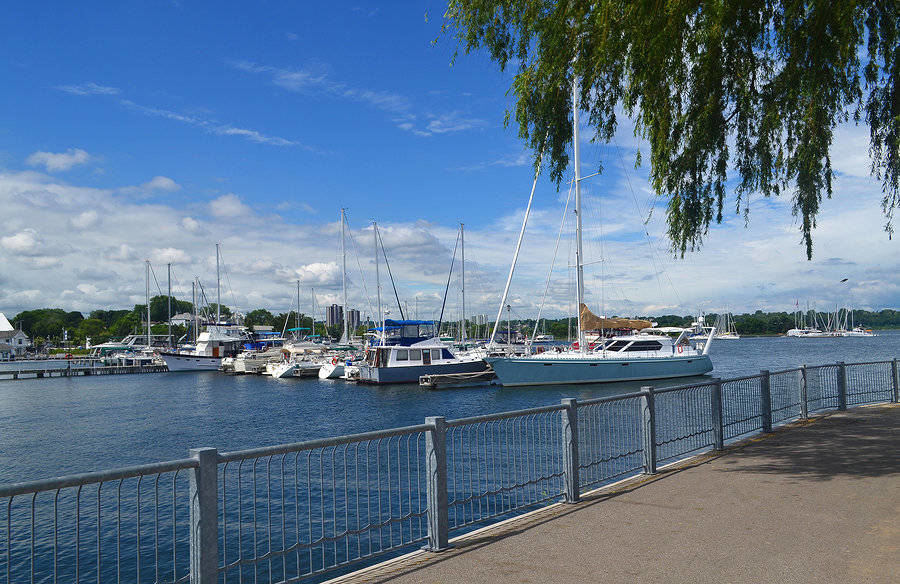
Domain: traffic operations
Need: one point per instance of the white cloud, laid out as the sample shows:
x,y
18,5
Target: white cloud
x,y
85,220
190,224
319,273
229,206
25,242
89,89
169,255
59,161
161,183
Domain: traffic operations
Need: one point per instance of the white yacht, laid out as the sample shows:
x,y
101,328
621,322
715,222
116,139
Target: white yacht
x,y
215,343
630,357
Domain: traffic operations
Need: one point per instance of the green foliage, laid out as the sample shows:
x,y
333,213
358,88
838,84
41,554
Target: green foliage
x,y
742,91
47,322
259,316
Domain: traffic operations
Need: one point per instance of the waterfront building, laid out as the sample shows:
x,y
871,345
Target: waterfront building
x,y
334,315
353,318
16,339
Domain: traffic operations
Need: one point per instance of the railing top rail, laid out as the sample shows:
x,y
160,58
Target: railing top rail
x,y
683,387
742,378
90,478
320,443
869,363
504,415
609,398
783,371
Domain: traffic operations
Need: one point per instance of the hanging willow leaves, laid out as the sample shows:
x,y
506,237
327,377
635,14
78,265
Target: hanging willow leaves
x,y
734,97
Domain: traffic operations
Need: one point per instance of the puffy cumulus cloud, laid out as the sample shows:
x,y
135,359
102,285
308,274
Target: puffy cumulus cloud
x,y
190,224
60,161
26,242
161,183
158,184
122,252
85,220
169,255
319,274
229,206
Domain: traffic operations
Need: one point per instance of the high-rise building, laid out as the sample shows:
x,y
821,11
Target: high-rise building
x,y
334,315
353,318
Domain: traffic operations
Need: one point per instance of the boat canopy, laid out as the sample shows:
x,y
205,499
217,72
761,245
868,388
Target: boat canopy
x,y
298,328
592,322
391,322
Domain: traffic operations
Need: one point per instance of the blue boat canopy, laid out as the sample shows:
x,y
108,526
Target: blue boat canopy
x,y
298,328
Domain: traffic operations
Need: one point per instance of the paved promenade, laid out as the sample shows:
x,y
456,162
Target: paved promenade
x,y
814,502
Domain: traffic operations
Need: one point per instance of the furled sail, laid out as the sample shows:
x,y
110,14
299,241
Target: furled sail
x,y
592,322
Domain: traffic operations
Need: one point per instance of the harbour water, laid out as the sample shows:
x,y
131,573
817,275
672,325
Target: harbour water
x,y
52,427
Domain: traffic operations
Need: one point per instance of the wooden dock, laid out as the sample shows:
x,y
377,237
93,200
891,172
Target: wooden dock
x,y
79,371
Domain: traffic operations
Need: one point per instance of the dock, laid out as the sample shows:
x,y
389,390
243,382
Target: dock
x,y
79,371
447,380
815,501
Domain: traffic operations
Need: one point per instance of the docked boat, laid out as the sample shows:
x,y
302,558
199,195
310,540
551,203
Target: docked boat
x,y
215,343
636,356
410,350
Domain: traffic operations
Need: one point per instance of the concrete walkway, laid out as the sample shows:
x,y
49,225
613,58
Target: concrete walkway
x,y
813,502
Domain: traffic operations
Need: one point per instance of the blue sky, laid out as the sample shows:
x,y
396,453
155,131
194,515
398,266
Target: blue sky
x,y
141,130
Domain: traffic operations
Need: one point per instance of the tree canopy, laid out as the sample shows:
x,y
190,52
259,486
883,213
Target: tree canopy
x,y
728,93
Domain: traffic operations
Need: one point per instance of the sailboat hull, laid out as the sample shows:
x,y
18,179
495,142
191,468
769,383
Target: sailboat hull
x,y
179,362
513,372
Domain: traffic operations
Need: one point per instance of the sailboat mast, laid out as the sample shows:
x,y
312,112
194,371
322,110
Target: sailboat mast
x,y
169,319
344,278
194,308
218,289
462,236
380,316
298,309
148,304
579,253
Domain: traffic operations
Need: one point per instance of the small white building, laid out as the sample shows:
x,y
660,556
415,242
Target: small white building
x,y
182,319
5,352
17,340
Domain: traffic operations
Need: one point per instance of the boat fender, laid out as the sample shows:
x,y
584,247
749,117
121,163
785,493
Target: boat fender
x,y
334,360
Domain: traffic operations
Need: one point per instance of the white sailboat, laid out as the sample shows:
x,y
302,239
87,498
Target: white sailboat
x,y
726,329
639,356
218,341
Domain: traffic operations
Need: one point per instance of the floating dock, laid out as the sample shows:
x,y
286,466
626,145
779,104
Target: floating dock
x,y
79,371
445,380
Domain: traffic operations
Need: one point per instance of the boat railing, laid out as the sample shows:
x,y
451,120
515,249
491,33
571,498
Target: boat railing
x,y
291,512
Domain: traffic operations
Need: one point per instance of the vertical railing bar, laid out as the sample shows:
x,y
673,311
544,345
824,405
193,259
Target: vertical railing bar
x,y
240,489
174,528
334,503
322,499
399,489
33,498
55,537
409,483
269,514
297,510
309,505
224,520
378,493
78,534
358,521
99,488
138,529
156,524
119,532
255,540
283,520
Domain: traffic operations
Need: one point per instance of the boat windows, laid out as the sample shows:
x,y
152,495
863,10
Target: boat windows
x,y
644,346
415,354
402,355
435,354
446,354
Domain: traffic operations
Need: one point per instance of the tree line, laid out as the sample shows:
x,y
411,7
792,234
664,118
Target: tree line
x,y
49,324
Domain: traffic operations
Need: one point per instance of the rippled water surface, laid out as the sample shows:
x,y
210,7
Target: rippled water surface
x,y
50,427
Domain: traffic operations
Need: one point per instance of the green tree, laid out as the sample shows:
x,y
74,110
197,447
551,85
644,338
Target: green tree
x,y
749,92
260,316
93,328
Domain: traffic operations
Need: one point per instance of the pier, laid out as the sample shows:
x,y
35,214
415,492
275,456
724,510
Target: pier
x,y
815,501
78,371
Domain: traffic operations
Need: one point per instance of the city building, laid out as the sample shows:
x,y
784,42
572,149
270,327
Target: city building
x,y
353,318
334,315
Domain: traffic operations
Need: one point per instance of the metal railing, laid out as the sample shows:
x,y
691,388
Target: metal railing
x,y
292,512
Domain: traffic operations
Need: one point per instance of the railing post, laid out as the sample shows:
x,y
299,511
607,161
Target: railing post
x,y
718,426
570,449
436,485
895,382
842,385
204,516
648,429
803,398
765,400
